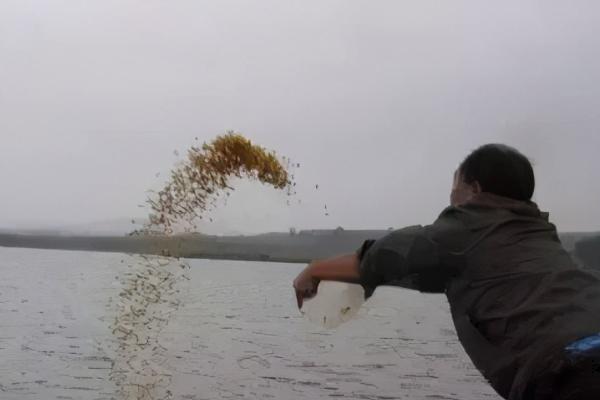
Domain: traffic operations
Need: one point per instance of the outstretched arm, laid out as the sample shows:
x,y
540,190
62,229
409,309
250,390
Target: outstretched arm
x,y
343,268
416,257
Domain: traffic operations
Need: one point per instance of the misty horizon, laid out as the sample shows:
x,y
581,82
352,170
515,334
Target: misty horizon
x,y
378,102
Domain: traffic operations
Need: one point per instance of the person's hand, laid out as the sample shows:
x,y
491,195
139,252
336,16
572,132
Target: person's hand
x,y
305,285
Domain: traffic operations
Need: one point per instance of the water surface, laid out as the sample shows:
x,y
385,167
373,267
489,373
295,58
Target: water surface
x,y
235,333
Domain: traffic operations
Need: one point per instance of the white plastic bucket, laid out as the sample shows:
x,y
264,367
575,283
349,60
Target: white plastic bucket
x,y
334,303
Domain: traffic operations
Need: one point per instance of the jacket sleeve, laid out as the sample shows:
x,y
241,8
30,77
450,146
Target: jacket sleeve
x,y
416,257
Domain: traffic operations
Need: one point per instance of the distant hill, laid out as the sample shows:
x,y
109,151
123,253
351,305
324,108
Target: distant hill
x,y
110,227
587,251
302,247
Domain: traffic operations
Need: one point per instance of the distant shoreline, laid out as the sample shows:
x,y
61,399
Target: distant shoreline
x,y
301,247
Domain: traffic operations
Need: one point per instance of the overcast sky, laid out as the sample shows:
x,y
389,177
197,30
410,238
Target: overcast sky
x,y
378,100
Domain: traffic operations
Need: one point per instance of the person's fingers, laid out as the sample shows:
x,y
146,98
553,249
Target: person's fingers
x,y
299,298
309,293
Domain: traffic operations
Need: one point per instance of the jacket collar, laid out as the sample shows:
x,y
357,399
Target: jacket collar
x,y
490,200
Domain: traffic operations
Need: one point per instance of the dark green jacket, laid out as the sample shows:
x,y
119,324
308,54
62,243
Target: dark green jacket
x,y
516,296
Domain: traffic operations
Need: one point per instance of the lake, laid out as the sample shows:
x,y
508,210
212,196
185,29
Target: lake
x,y
73,327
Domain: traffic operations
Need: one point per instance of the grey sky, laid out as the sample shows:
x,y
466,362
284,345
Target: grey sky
x,y
378,100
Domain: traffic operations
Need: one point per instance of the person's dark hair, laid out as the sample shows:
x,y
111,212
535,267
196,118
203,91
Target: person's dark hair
x,y
501,170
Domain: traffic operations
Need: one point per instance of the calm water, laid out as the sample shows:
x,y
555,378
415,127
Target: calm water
x,y
225,330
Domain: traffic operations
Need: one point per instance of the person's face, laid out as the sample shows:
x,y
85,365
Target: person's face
x,y
462,192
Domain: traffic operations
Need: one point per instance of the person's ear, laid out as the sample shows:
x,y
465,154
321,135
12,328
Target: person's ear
x,y
476,187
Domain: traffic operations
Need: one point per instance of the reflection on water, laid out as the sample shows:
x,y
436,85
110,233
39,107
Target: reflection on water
x,y
235,332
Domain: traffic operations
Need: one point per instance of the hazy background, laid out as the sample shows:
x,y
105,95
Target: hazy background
x,y
378,100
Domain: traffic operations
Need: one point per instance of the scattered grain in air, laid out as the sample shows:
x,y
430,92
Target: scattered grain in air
x,y
151,289
205,173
